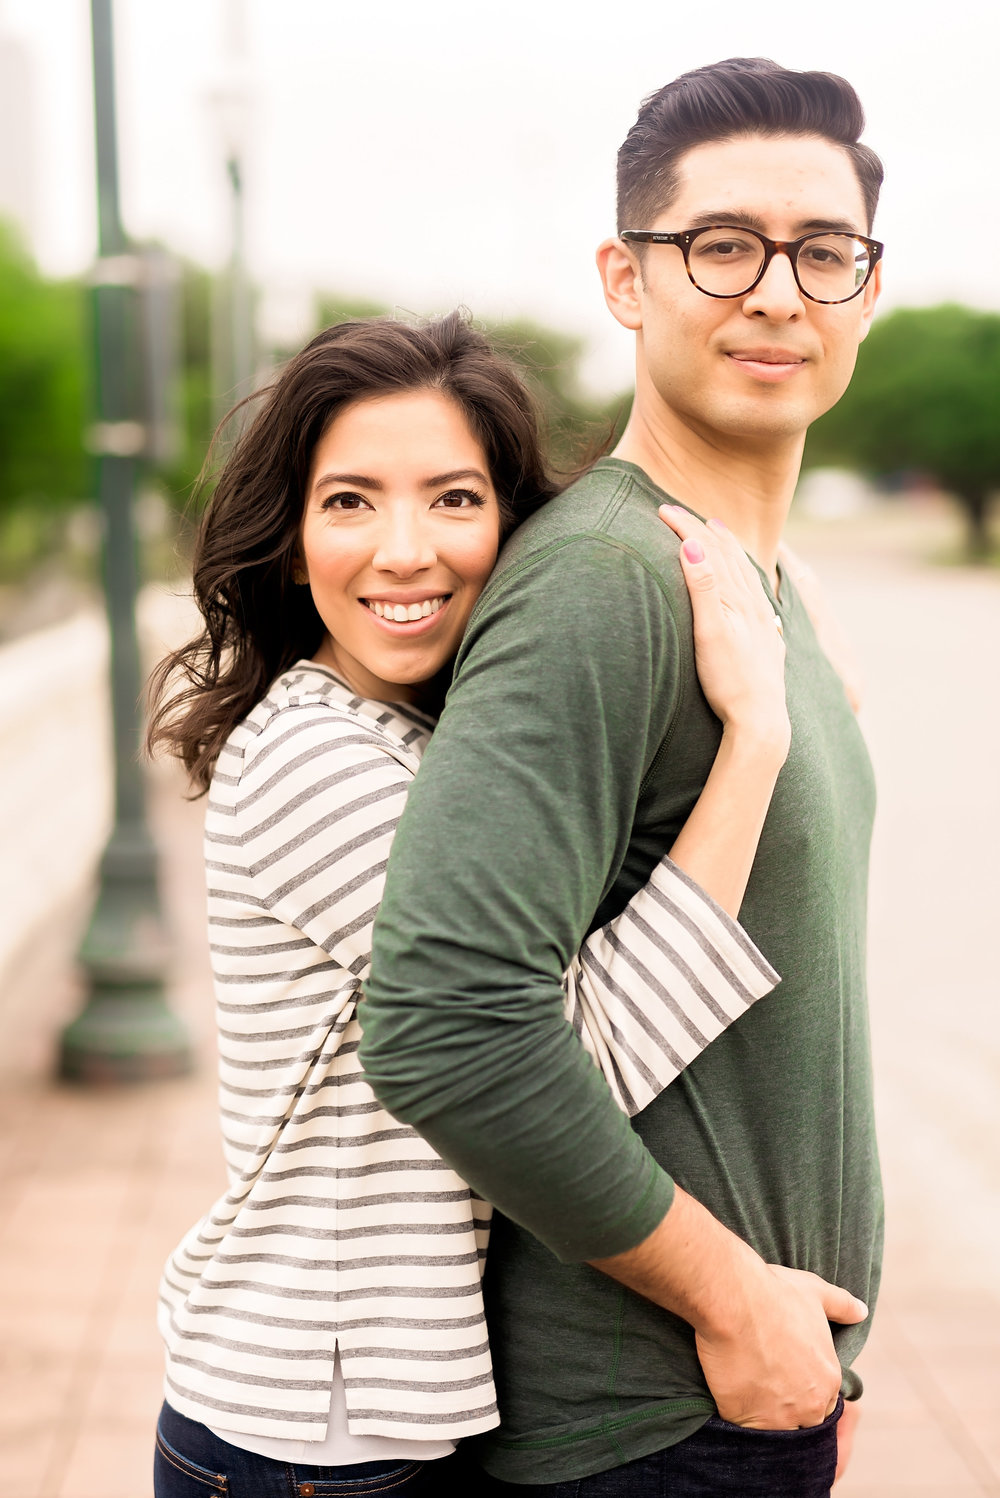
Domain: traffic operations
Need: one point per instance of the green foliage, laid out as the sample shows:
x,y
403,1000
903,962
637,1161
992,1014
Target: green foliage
x,y
43,384
925,396
576,427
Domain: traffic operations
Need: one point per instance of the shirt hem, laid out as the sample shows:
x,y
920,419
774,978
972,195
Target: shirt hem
x,y
611,1442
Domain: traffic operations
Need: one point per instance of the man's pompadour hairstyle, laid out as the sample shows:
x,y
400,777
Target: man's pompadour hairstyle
x,y
741,96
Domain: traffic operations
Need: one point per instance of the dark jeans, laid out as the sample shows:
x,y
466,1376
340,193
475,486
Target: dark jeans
x,y
191,1462
719,1461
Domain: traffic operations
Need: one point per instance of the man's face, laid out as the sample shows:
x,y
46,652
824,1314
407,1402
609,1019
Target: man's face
x,y
768,363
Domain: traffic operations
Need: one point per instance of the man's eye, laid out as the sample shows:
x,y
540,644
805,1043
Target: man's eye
x,y
460,499
724,247
346,502
826,254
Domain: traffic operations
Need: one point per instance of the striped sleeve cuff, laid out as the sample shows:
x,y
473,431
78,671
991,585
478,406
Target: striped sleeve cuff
x,y
655,986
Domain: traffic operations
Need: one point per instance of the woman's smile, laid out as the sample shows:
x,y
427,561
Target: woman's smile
x,y
398,611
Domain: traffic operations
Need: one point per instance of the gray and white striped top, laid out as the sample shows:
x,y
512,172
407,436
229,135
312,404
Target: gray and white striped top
x,y
341,1228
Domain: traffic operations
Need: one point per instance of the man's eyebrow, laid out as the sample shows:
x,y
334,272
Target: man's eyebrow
x,y
744,218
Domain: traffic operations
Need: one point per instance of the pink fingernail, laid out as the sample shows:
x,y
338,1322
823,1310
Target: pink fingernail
x,y
719,524
693,550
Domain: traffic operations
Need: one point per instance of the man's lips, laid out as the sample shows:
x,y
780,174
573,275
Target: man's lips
x,y
767,364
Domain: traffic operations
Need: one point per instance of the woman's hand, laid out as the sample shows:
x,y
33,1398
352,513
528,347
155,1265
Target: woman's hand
x,y
739,650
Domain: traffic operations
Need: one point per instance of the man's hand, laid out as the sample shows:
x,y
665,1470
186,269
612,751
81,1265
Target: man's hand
x,y
779,1370
762,1331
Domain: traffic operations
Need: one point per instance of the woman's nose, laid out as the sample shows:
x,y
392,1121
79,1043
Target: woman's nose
x,y
404,546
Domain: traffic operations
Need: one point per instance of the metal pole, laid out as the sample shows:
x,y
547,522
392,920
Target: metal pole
x,y
241,335
232,322
125,1032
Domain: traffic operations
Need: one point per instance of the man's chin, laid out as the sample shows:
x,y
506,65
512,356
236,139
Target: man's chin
x,y
764,421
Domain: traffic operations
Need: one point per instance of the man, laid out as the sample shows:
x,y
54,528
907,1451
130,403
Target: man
x,y
641,1329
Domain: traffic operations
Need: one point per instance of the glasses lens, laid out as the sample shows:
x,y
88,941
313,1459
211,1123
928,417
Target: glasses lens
x,y
724,262
832,267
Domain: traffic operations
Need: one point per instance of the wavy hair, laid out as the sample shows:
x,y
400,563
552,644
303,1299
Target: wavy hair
x,y
256,620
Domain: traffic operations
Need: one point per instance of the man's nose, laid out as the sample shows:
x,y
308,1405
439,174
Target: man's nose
x,y
404,545
777,293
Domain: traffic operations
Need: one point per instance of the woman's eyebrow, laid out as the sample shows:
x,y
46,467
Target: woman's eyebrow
x,y
366,481
359,480
453,476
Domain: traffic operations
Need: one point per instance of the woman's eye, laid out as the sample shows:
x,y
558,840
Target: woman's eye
x,y
346,502
460,499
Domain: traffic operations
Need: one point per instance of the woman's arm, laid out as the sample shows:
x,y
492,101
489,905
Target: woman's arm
x,y
740,657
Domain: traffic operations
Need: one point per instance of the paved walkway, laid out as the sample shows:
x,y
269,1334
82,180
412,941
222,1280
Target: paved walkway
x,y
97,1187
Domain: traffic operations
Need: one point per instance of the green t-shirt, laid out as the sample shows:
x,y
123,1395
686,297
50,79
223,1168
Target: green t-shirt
x,y
573,745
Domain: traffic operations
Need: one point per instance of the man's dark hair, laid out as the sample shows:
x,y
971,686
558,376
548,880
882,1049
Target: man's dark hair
x,y
741,96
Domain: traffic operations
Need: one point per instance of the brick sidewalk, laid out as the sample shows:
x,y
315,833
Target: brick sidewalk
x,y
99,1186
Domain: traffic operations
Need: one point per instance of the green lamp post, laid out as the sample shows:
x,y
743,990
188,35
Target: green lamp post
x,y
125,1032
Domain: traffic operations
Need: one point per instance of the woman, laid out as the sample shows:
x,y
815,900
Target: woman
x,y
348,539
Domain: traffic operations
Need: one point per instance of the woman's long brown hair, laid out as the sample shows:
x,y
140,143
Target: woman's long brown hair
x,y
257,620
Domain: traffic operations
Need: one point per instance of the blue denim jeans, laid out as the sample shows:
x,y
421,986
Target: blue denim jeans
x,y
191,1462
719,1461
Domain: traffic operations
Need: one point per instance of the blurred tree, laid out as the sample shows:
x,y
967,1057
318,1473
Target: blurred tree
x,y
43,384
577,426
332,308
197,398
926,396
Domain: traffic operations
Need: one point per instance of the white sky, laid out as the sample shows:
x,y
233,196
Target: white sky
x,y
444,152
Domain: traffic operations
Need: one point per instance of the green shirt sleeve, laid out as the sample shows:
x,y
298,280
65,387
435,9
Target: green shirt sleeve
x,y
513,834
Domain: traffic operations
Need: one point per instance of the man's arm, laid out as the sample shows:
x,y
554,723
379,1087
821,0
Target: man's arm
x,y
514,832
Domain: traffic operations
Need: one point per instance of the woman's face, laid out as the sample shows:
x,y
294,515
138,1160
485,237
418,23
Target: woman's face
x,y
400,531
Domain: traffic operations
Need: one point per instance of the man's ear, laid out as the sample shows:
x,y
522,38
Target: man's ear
x,y
621,276
869,297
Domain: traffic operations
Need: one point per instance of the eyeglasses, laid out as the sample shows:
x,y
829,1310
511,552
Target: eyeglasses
x,y
829,266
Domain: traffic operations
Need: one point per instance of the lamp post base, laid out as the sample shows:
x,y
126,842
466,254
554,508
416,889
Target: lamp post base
x,y
124,1035
125,1031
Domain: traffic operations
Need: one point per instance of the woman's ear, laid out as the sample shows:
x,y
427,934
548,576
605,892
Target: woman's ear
x,y
621,276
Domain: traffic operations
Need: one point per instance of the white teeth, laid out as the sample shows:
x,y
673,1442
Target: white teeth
x,y
401,613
